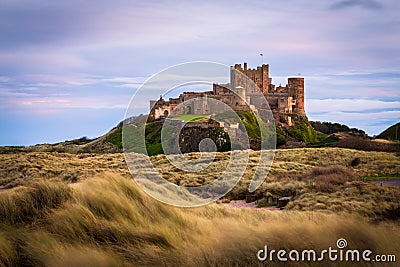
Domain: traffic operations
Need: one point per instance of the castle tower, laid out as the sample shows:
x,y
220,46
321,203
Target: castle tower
x,y
241,92
265,80
296,90
260,76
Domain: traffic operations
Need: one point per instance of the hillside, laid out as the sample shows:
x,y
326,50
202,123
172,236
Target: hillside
x,y
391,133
302,134
299,134
339,135
111,142
330,128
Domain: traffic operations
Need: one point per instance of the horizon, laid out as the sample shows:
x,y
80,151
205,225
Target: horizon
x,y
69,70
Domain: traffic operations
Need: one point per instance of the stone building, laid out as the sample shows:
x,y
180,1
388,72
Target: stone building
x,y
242,93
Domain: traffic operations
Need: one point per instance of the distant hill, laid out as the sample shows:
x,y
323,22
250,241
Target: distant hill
x,y
391,133
334,127
340,135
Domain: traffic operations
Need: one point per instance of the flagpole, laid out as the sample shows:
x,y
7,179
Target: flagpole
x,y
262,59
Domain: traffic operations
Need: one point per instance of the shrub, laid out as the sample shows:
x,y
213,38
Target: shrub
x,y
262,203
365,144
355,162
328,179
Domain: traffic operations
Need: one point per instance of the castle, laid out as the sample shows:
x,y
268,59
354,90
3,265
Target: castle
x,y
241,93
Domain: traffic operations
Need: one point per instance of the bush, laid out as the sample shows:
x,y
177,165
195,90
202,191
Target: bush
x,y
355,162
328,179
365,144
262,203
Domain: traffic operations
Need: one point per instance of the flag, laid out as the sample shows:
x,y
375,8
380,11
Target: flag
x,y
261,55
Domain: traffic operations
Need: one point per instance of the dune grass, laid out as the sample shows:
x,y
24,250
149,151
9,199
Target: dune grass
x,y
294,173
108,221
25,204
85,210
22,168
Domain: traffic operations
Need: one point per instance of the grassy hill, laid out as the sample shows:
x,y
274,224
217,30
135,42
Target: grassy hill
x,y
330,128
303,133
391,133
339,135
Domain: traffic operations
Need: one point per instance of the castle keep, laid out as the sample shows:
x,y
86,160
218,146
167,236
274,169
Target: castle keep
x,y
286,102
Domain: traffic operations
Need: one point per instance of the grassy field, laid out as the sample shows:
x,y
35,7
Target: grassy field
x,y
85,210
107,221
190,117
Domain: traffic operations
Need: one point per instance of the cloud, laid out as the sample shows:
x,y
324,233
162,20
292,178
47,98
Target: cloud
x,y
349,105
373,116
368,4
372,123
96,54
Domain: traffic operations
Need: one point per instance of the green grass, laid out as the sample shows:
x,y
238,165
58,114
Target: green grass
x,y
251,124
392,176
190,117
115,137
303,131
323,140
154,149
280,137
132,134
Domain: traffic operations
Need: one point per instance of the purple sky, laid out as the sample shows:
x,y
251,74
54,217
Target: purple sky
x,y
69,68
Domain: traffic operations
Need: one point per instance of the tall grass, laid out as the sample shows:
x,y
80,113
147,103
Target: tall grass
x,y
25,204
23,168
109,221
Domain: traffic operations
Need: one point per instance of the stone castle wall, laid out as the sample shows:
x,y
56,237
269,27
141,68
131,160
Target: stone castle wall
x,y
286,102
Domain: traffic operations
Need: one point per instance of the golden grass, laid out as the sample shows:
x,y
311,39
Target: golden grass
x,y
25,204
85,210
287,162
21,168
108,221
292,174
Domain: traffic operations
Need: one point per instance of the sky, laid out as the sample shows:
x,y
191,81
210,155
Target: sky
x,y
69,68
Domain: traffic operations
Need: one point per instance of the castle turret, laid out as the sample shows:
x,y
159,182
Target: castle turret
x,y
265,80
296,90
260,76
